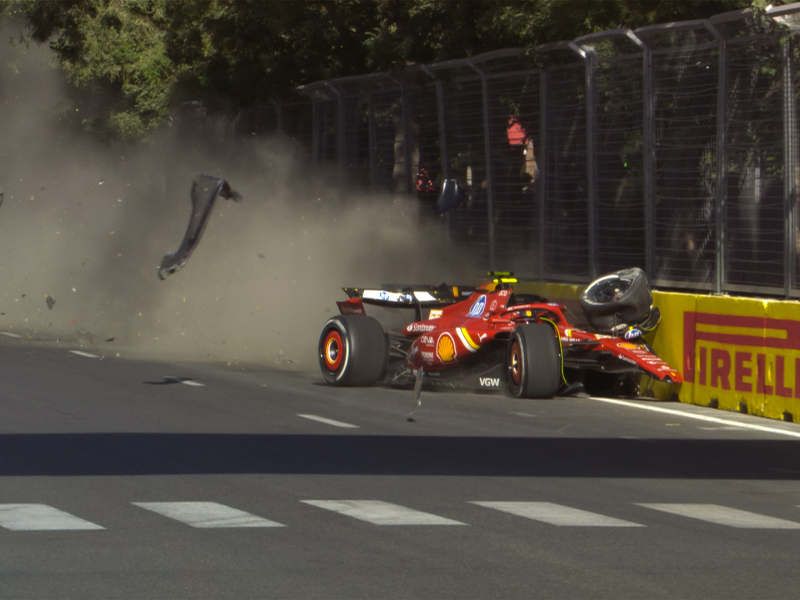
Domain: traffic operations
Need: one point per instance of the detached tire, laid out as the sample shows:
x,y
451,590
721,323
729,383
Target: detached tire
x,y
622,297
534,361
352,351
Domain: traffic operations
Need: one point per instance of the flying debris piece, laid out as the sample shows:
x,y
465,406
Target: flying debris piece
x,y
84,354
205,190
2,193
50,302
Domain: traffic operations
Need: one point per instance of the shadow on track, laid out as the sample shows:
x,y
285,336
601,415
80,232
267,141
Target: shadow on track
x,y
199,454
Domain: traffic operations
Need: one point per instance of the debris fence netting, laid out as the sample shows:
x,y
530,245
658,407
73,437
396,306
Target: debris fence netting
x,y
672,148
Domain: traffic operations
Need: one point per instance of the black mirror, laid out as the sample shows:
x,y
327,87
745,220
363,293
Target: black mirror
x,y
451,197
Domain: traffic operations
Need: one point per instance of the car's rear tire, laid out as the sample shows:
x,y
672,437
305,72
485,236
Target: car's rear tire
x,y
534,361
352,351
620,298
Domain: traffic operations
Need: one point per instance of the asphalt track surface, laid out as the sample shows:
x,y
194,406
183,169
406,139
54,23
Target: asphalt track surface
x,y
145,479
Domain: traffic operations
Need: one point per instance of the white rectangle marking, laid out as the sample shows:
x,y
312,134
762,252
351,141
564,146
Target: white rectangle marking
x,y
723,515
329,421
84,354
381,513
206,515
556,514
40,517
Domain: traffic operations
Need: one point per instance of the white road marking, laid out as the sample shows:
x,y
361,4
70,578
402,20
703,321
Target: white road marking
x,y
183,380
329,421
84,354
721,428
11,335
40,517
193,383
678,413
723,515
556,514
381,513
207,515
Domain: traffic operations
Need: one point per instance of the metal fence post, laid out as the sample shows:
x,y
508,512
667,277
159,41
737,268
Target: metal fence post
x,y
541,152
443,156
444,160
720,205
406,127
587,54
341,123
591,160
790,168
648,152
487,147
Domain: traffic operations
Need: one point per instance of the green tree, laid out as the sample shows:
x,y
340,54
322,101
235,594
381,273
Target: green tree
x,y
139,58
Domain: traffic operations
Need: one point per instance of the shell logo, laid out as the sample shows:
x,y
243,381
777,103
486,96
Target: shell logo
x,y
629,346
446,348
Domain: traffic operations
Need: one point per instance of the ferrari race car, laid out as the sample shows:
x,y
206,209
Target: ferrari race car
x,y
490,337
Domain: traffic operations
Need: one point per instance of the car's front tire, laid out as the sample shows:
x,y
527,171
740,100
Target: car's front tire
x,y
620,298
534,361
352,351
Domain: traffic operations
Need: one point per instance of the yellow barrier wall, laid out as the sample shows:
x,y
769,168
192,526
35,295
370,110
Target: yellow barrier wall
x,y
737,354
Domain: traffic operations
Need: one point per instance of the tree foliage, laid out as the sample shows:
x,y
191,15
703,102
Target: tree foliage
x,y
136,59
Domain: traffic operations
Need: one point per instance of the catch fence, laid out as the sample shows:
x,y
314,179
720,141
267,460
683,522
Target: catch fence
x,y
671,147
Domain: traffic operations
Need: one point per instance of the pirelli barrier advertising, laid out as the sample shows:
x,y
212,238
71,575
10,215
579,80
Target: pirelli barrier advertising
x,y
737,354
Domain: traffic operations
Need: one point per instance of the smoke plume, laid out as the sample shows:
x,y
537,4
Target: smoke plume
x,y
84,225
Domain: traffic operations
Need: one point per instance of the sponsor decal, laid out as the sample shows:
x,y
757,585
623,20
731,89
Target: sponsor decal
x,y
477,307
489,381
468,342
426,339
385,296
422,297
446,348
629,346
435,313
494,305
633,334
569,336
427,356
419,327
351,308
742,353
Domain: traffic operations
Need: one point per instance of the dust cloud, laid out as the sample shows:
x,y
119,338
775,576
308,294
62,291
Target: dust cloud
x,y
85,224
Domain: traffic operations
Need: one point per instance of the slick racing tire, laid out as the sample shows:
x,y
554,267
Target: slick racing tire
x,y
353,351
534,361
620,298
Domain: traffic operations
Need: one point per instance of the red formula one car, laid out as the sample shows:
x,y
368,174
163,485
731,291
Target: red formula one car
x,y
491,338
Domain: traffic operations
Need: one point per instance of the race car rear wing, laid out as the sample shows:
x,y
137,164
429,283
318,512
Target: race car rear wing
x,y
404,296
